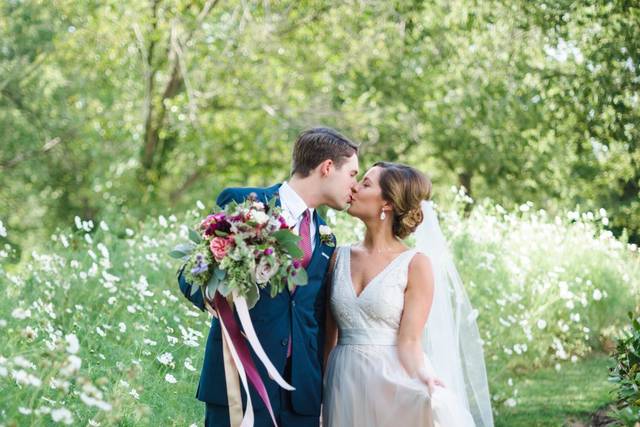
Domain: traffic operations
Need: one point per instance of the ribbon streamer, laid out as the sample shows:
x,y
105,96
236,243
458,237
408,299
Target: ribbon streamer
x,y
232,381
238,346
252,337
247,420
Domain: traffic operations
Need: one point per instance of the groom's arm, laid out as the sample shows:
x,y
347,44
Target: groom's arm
x,y
225,197
185,288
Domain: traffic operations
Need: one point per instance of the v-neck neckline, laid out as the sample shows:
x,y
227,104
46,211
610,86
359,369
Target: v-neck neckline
x,y
373,279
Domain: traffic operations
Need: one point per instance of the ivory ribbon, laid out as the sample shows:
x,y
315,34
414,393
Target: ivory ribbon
x,y
247,420
252,337
233,384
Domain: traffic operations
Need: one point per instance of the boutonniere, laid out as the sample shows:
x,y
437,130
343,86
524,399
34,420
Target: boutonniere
x,y
326,236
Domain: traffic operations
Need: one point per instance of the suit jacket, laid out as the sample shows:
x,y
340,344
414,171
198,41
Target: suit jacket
x,y
299,317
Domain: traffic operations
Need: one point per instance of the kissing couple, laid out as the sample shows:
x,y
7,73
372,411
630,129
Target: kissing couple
x,y
382,334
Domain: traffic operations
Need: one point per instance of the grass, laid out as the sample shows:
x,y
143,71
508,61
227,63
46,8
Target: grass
x,y
557,398
140,343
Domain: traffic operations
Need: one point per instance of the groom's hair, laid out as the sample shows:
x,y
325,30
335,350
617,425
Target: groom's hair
x,y
316,145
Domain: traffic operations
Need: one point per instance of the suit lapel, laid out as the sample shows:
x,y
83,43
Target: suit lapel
x,y
319,248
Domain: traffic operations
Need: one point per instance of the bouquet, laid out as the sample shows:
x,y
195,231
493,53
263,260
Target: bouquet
x,y
235,252
240,249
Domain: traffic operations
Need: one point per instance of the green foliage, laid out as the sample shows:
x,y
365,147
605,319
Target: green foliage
x,y
122,109
626,373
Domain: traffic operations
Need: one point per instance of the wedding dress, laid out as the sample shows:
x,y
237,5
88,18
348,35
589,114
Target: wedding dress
x,y
365,384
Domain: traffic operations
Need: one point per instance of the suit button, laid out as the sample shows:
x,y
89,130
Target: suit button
x,y
293,303
284,342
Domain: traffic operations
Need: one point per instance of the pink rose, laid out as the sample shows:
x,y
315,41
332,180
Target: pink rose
x,y
219,247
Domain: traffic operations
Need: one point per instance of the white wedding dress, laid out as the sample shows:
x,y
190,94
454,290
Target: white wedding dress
x,y
365,385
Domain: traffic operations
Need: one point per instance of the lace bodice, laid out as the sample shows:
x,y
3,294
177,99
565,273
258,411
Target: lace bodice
x,y
380,304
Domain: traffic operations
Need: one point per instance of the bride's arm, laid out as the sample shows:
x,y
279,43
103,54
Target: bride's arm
x,y
418,298
330,327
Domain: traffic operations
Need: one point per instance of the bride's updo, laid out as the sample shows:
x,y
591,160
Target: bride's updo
x,y
404,187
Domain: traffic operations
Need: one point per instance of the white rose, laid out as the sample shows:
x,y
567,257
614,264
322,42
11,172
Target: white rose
x,y
259,217
325,230
265,270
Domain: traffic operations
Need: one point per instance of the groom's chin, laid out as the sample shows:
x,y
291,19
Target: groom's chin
x,y
339,206
349,210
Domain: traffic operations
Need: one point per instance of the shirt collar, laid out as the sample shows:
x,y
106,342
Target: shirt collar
x,y
292,202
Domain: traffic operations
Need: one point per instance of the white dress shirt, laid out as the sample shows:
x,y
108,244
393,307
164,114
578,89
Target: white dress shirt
x,y
293,207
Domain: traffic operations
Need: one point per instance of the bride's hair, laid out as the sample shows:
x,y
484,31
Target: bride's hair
x,y
404,187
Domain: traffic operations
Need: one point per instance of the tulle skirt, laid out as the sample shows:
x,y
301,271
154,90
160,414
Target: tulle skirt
x,y
365,385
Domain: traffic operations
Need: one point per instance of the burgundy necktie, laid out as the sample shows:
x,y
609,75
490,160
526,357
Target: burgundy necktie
x,y
305,233
305,245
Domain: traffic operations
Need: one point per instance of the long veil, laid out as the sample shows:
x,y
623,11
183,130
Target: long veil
x,y
451,339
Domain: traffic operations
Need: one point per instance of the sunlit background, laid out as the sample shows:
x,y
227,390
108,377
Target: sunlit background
x,y
121,121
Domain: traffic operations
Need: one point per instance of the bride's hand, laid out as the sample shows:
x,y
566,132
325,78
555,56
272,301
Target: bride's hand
x,y
433,382
430,380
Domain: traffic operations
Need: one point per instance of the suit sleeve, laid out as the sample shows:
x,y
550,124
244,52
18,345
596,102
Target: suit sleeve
x,y
185,288
224,197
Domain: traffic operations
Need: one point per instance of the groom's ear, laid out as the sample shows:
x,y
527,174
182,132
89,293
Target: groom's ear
x,y
325,167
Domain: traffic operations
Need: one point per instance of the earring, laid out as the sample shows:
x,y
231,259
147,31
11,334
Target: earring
x,y
382,216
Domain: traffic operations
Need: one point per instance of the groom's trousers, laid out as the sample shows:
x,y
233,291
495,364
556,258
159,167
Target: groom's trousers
x,y
218,416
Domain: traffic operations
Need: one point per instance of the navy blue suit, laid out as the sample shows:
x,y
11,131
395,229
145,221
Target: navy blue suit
x,y
299,316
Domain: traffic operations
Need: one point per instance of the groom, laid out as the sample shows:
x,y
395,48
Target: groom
x,y
291,325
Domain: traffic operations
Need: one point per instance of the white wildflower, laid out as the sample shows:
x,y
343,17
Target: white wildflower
x,y
72,366
20,313
189,365
25,378
166,359
597,295
21,362
62,415
73,344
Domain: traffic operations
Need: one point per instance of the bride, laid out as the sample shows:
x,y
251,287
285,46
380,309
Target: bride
x,y
402,345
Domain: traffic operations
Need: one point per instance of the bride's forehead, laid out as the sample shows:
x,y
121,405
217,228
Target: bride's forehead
x,y
372,173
